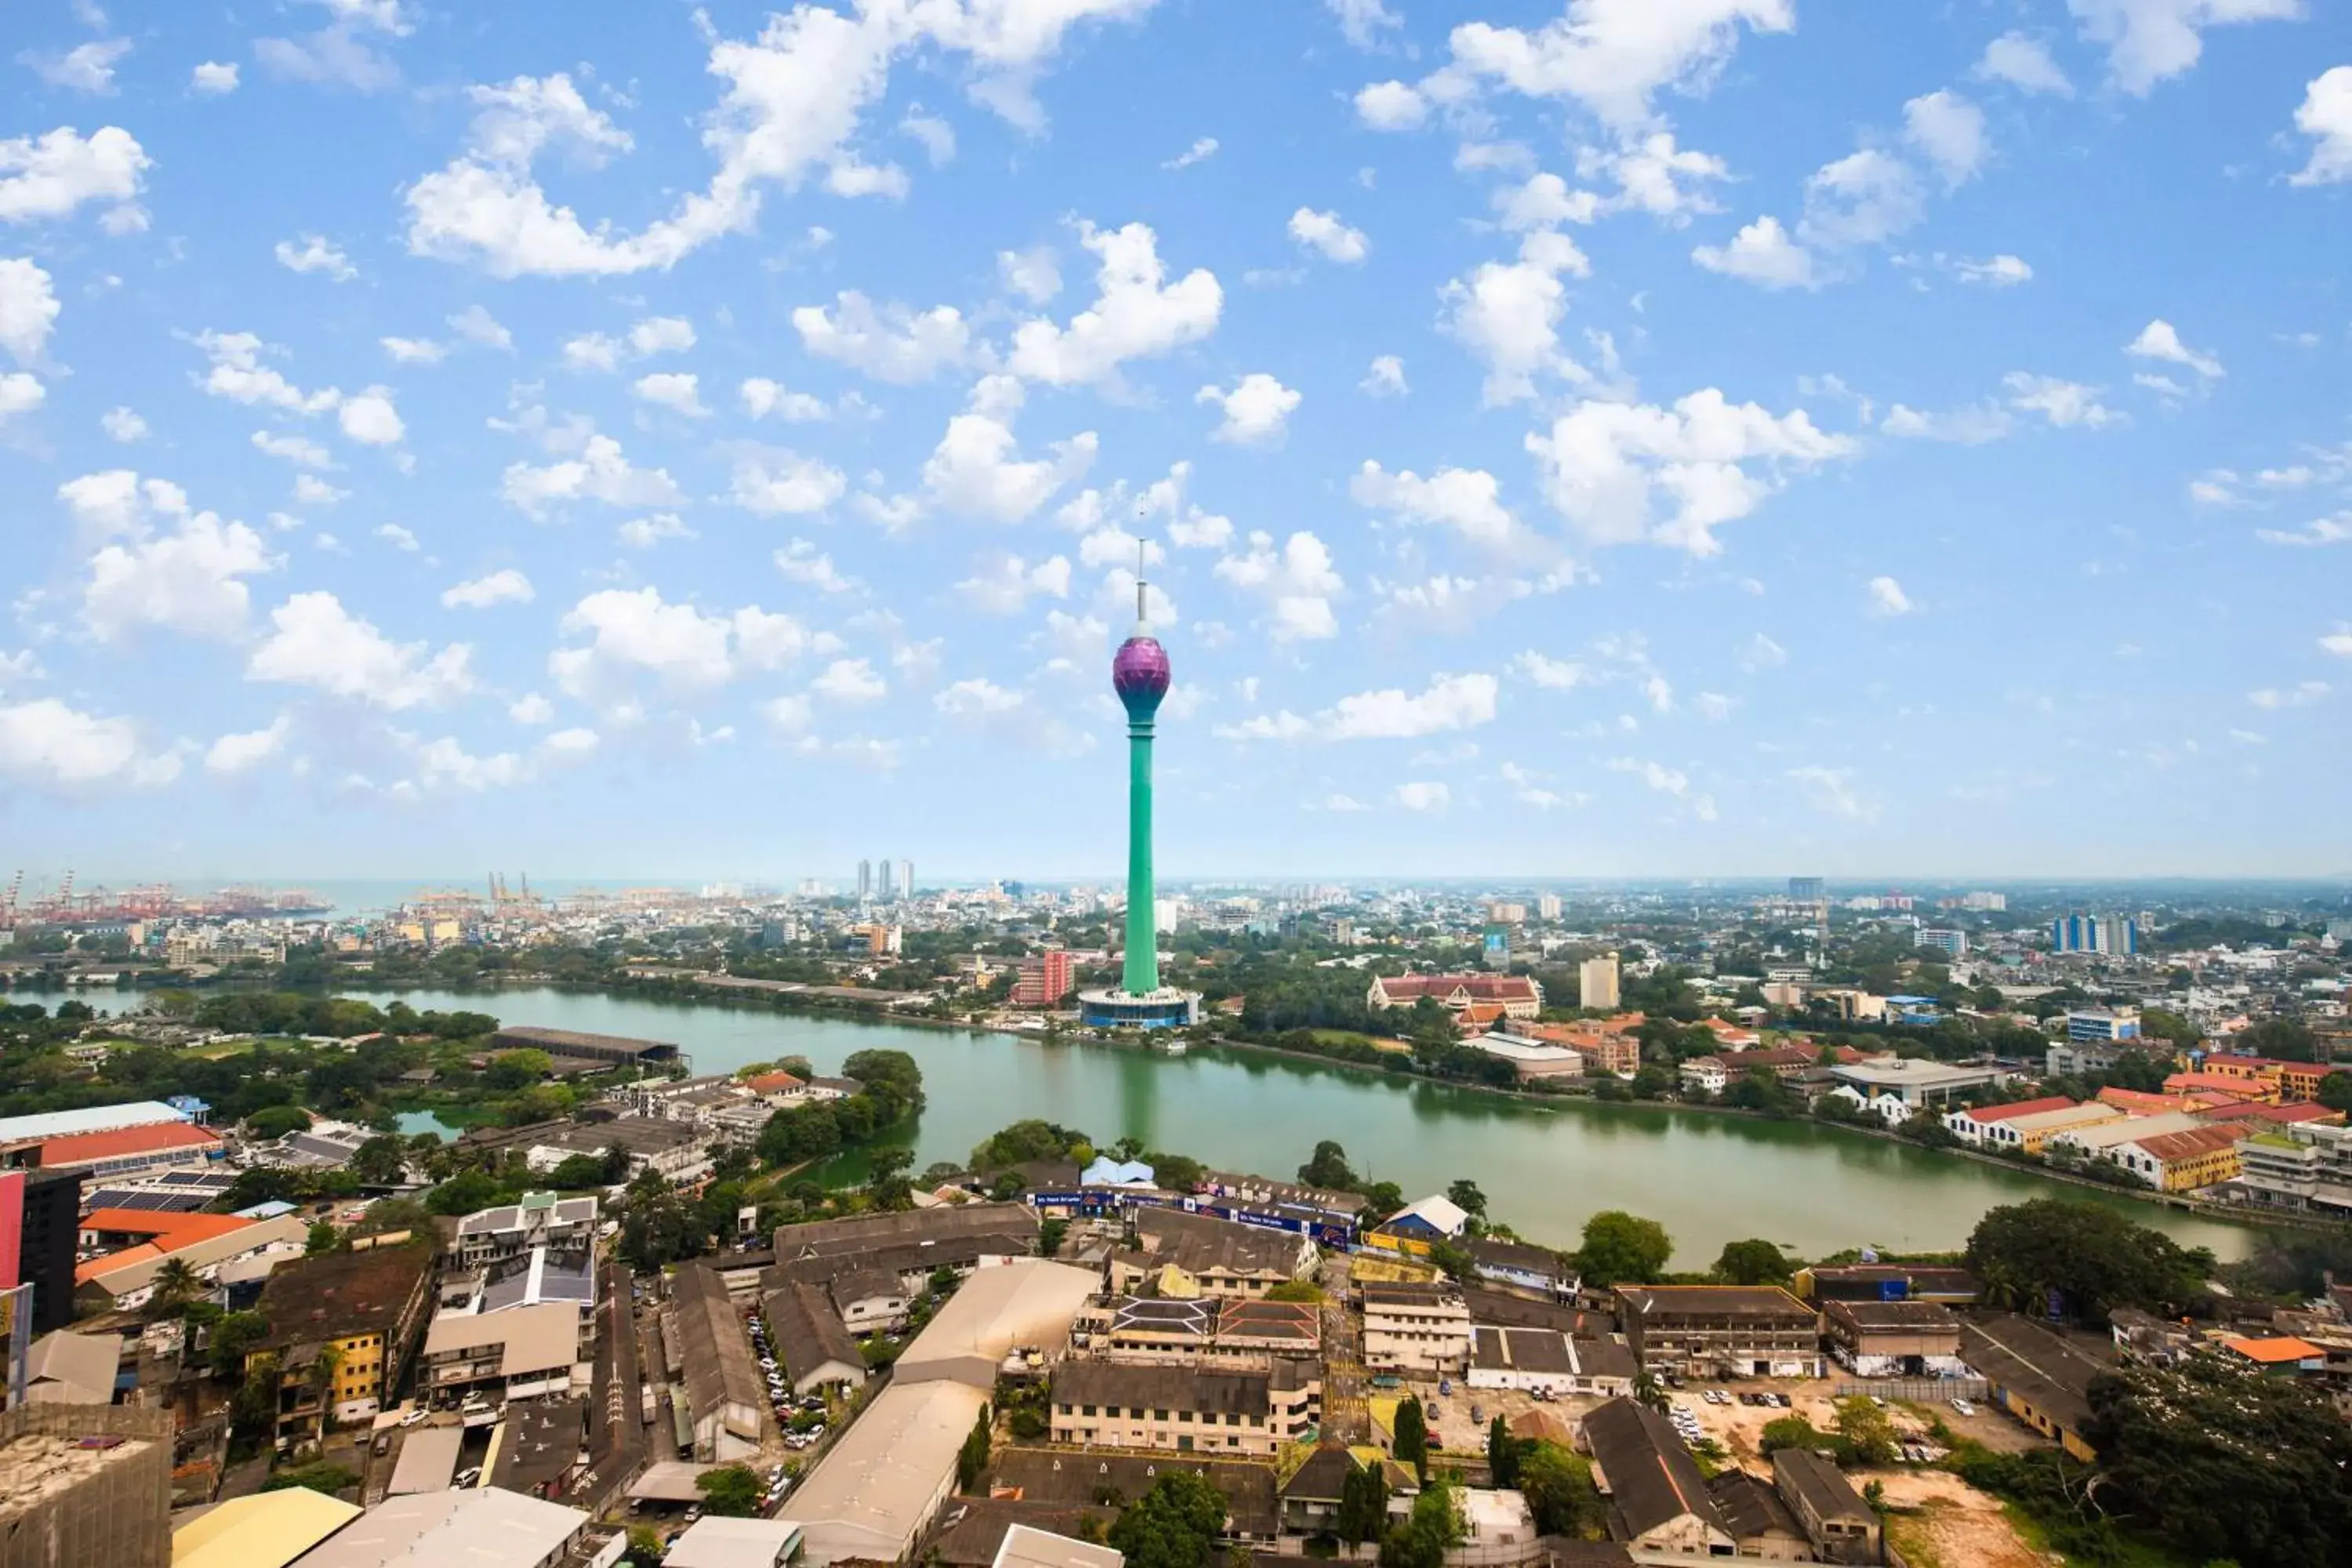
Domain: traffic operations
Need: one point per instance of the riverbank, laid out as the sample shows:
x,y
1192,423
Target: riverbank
x,y
1545,1161
685,990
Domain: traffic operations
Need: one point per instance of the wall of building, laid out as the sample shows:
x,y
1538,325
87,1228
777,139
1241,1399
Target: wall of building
x,y
120,1517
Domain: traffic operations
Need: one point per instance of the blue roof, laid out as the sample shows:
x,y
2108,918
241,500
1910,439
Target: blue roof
x,y
1107,1172
274,1209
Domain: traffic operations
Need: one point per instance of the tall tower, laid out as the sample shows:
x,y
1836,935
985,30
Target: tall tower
x,y
865,881
1140,673
906,879
889,888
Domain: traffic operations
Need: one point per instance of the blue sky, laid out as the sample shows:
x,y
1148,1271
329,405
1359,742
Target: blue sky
x,y
1632,436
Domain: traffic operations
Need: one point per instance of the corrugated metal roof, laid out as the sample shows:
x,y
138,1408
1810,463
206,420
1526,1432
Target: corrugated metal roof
x,y
90,1119
269,1530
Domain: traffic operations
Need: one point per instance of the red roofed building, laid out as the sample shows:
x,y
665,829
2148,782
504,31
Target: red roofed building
x,y
1969,1126
2276,1115
2184,1162
128,1151
1521,997
2244,1086
776,1087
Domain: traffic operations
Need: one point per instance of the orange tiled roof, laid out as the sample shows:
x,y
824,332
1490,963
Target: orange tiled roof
x,y
2016,1108
2273,1352
145,1252
80,1148
772,1083
168,1231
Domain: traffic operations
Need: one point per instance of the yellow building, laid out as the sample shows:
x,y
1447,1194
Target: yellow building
x,y
2184,1162
341,1326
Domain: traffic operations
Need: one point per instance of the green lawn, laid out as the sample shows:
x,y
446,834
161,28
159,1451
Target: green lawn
x,y
1350,1037
219,1049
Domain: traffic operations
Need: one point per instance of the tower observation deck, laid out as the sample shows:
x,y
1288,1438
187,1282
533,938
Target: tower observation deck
x,y
1140,673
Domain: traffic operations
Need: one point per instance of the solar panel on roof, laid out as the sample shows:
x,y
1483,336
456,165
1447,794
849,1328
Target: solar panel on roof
x,y
143,1199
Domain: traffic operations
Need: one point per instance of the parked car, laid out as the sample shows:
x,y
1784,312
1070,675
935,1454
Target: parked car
x,y
1963,1408
468,1476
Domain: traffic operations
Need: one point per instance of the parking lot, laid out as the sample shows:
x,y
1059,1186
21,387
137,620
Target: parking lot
x,y
1739,1425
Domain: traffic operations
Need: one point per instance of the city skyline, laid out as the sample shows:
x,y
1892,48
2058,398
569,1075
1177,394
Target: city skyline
x,y
1780,437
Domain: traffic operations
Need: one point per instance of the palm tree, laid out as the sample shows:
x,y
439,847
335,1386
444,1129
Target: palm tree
x,y
177,1284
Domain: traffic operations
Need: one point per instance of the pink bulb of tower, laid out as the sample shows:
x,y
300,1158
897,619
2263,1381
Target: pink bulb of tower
x,y
1140,676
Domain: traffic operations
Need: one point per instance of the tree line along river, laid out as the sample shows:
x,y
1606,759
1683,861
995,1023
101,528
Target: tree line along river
x,y
1708,1178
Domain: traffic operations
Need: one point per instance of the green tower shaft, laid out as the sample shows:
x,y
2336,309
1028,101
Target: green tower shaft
x,y
1142,973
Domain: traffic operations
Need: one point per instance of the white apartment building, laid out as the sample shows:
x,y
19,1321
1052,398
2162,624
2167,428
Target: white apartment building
x,y
540,1219
1416,1328
1597,982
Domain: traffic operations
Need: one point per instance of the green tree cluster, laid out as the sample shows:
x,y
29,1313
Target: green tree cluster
x,y
971,1459
1434,1528
1173,1525
1560,1492
1363,1506
730,1491
2222,1461
2092,1258
1411,1436
1621,1248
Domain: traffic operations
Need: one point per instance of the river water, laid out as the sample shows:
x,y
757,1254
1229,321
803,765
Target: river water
x,y
1708,1178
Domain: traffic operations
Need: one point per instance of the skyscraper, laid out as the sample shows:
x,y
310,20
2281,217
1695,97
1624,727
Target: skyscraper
x,y
906,879
1805,890
1140,673
865,881
1596,982
889,890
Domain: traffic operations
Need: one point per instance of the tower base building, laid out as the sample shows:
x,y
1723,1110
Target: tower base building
x,y
1165,1008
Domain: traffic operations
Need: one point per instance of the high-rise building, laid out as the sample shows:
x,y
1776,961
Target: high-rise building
x,y
906,879
889,888
1950,942
40,1226
1596,982
1044,980
2115,936
865,881
1805,890
1548,907
1141,674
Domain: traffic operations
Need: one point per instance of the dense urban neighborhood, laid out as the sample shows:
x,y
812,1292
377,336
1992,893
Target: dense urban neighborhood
x,y
360,1280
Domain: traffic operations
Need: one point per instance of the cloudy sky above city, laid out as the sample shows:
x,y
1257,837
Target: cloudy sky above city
x,y
1632,437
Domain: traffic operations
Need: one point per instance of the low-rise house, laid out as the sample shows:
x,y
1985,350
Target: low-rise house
x,y
1762,1526
1658,1500
1112,1404
2039,1376
1518,1266
809,1337
1841,1527
509,1230
66,1368
2028,1134
1416,1328
1973,1124
520,1354
870,1299
1721,1330
1044,1477
1548,1362
1213,1256
1894,1339
2098,1138
342,1326
2187,1160
2278,1355
142,1241
1825,1283
726,1396
1432,1218
776,1090
678,1151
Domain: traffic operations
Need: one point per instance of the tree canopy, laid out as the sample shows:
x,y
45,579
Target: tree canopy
x,y
2093,1258
2223,1462
1621,1248
1173,1525
1753,1262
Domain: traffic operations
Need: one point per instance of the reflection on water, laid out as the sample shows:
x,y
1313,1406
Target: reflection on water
x,y
1708,1179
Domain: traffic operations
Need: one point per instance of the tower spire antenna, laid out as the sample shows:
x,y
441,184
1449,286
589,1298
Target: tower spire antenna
x,y
1141,620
